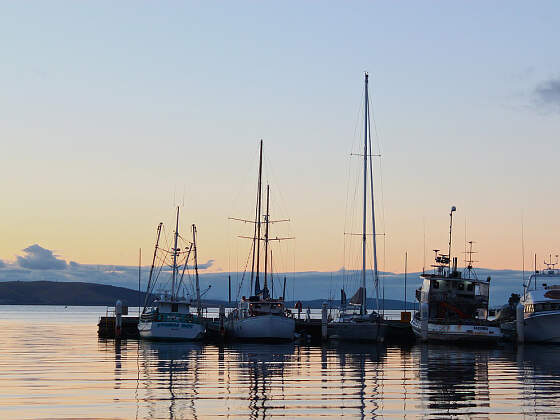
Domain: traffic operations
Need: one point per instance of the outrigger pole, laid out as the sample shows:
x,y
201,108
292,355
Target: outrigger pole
x,y
152,267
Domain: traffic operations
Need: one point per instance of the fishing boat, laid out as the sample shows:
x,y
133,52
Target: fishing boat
x,y
355,323
169,316
260,316
539,314
453,304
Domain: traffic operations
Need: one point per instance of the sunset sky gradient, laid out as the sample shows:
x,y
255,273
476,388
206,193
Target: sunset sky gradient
x,y
113,113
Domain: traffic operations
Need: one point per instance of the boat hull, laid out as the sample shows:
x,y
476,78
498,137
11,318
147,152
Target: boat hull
x,y
457,332
357,331
262,327
171,330
543,328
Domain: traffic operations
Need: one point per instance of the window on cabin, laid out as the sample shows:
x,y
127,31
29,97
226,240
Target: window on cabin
x,y
470,287
435,284
174,307
461,286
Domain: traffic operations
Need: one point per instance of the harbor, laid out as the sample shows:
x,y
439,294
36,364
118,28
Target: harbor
x,y
158,379
279,210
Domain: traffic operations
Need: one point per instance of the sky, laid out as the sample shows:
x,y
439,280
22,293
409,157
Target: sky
x,y
112,114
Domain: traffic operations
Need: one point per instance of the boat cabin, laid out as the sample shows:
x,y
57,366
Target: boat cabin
x,y
166,304
541,295
453,295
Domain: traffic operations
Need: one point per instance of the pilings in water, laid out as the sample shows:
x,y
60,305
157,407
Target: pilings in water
x,y
424,314
520,323
222,318
324,321
118,318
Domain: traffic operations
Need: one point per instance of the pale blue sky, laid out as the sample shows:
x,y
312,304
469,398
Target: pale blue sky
x,y
106,109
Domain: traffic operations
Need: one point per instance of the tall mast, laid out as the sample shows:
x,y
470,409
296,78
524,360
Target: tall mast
x,y
257,240
152,267
266,217
271,275
197,284
364,222
175,257
374,231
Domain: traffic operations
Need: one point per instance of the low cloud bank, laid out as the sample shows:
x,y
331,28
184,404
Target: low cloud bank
x,y
303,286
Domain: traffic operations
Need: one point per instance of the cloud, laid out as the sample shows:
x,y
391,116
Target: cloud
x,y
204,266
547,93
39,258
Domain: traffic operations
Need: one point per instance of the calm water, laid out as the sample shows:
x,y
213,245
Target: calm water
x,y
52,365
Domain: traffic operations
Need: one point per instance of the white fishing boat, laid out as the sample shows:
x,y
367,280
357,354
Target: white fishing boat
x,y
169,317
355,323
453,304
540,306
261,316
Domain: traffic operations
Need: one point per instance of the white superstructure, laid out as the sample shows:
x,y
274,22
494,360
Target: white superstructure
x,y
541,306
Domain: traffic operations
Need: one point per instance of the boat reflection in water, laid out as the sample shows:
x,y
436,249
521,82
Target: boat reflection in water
x,y
455,380
255,380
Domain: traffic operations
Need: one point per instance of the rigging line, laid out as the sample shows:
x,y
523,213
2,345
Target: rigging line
x,y
240,283
378,137
349,214
280,204
374,239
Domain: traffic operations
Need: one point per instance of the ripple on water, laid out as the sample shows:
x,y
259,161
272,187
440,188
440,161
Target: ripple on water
x,y
55,367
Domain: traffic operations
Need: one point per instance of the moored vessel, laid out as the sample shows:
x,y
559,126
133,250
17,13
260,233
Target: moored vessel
x,y
169,317
354,322
261,317
539,309
453,304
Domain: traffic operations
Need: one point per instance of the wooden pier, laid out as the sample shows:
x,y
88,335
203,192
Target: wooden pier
x,y
398,331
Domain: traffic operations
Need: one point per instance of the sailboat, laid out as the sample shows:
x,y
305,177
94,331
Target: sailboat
x,y
260,316
361,325
169,316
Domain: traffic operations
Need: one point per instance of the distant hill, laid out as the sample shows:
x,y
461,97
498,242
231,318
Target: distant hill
x,y
65,293
92,294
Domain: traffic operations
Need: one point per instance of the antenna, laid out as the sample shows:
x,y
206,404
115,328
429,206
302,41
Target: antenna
x,y
523,253
424,263
139,276
405,272
453,208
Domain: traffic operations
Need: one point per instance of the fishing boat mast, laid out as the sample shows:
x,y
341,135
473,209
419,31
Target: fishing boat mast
x,y
197,284
160,225
453,208
175,251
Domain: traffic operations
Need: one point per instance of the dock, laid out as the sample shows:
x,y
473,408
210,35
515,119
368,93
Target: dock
x,y
398,331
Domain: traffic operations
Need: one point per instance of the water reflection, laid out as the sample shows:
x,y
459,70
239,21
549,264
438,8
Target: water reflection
x,y
57,368
455,379
257,381
47,371
539,373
